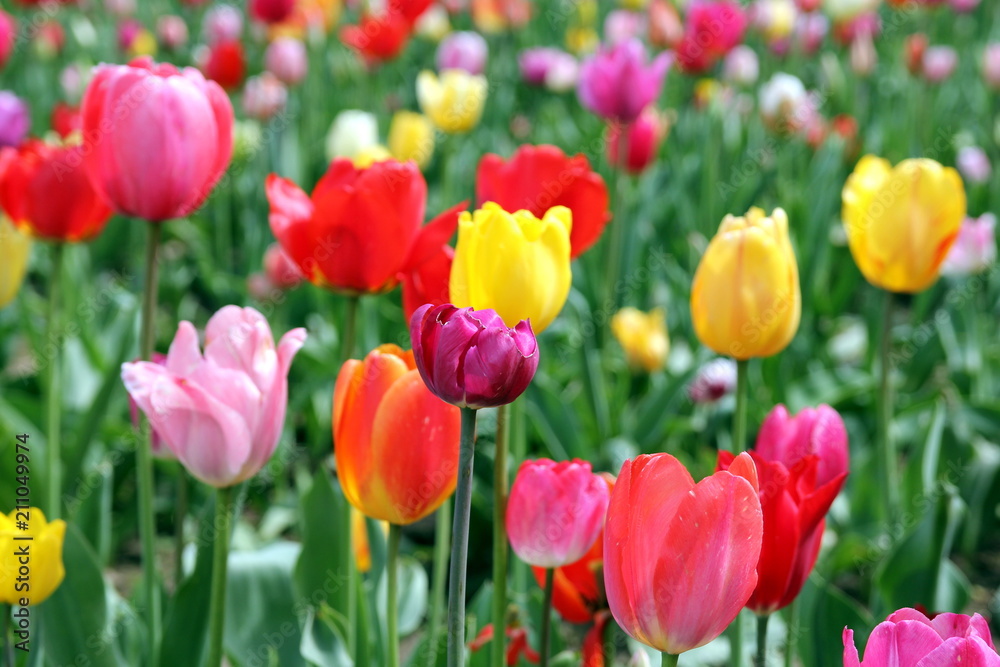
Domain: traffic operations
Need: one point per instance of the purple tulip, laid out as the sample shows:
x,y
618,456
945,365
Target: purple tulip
x,y
470,358
617,83
463,50
820,431
908,637
15,119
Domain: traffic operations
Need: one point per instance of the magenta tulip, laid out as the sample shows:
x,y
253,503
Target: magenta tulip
x,y
909,639
617,84
470,358
221,414
820,431
157,139
555,512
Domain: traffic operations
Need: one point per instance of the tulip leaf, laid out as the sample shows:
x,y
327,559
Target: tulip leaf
x,y
412,595
825,611
323,642
318,576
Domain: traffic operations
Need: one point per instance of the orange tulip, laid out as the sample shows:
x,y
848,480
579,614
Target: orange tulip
x,y
396,444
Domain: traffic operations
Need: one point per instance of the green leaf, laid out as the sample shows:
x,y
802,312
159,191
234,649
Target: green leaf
x,y
187,615
323,643
319,577
826,611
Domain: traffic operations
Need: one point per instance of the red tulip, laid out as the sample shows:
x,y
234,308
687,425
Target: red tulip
x,y
680,558
271,11
378,37
428,269
45,191
157,140
66,119
536,178
360,229
226,64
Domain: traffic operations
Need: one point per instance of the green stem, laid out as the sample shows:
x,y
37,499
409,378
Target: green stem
x,y
442,537
890,479
735,634
392,594
220,558
617,240
519,452
550,579
180,512
54,386
791,644
669,660
740,413
346,556
500,536
762,640
144,452
350,331
460,542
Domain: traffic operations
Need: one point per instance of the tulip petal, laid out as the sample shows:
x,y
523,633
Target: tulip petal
x,y
184,355
851,658
900,644
972,652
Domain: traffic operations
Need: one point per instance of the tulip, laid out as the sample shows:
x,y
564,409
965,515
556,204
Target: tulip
x,y
143,112
224,63
271,11
563,74
974,164
280,269
617,84
913,51
15,119
810,31
621,25
497,362
31,174
377,38
964,6
635,146
433,24
220,413
975,249
908,637
741,66
991,65
939,63
264,96
454,102
665,28
493,16
745,300
15,249
352,132
286,58
902,221
713,381
536,63
395,442
643,336
172,31
8,36
411,137
159,449
555,511
66,120
463,50
680,557
775,19
712,28
222,23
49,39
785,105
537,178
513,263
814,431
45,542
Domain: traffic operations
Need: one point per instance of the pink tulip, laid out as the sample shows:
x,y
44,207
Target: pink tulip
x,y
264,96
634,147
8,36
157,139
463,50
15,119
741,66
221,414
991,65
535,64
975,249
680,558
160,450
964,6
810,31
281,269
712,28
172,31
909,639
617,83
622,25
286,58
222,23
555,512
939,63
786,439
974,164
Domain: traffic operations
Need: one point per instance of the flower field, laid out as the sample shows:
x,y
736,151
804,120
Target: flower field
x,y
425,333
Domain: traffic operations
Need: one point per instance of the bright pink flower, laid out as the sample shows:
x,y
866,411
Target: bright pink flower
x,y
15,119
712,28
157,139
617,83
555,512
909,639
820,431
680,558
8,36
286,58
634,147
221,414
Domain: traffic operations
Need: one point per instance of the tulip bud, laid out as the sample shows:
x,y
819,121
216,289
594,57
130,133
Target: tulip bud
x,y
46,557
463,50
913,50
282,271
621,25
864,58
15,119
555,511
172,31
975,249
741,66
411,137
222,23
15,249
964,6
745,300
784,103
810,31
643,336
286,58
497,362
454,101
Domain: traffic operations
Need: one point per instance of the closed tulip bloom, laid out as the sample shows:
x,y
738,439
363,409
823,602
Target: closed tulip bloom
x,y
411,137
220,413
15,249
281,270
378,37
264,96
634,147
680,558
555,511
66,120
617,83
470,358
454,100
45,191
939,63
901,222
8,36
225,63
536,178
45,539
712,28
172,31
535,63
643,336
463,50
991,65
974,164
788,439
15,119
144,113
395,442
908,637
741,66
513,263
222,23
745,300
975,249
286,58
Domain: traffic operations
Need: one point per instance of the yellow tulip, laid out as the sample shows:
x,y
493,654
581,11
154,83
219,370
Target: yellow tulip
x,y
582,40
32,582
513,263
454,102
902,221
745,300
643,336
368,156
411,137
634,5
15,248
144,44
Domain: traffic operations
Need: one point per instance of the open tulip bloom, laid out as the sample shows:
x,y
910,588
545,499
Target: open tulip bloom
x,y
909,639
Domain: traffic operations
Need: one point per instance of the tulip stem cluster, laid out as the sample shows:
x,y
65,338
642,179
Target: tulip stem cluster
x,y
220,558
392,594
500,534
54,384
890,481
543,649
460,542
761,660
144,452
